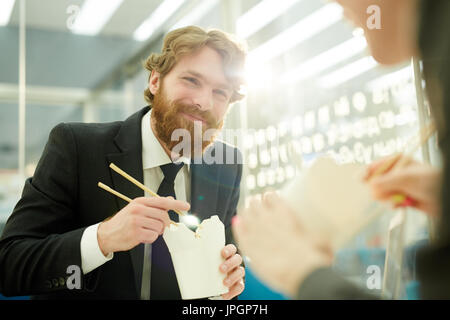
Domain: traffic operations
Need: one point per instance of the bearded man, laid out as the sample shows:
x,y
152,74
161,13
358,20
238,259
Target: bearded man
x,y
63,220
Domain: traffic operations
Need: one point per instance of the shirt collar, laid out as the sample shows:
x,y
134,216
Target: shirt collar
x,y
153,154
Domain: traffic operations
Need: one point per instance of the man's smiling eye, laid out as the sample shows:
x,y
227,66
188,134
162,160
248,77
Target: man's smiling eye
x,y
222,93
191,80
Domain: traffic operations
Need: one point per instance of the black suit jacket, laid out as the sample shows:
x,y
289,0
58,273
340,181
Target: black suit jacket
x,y
42,236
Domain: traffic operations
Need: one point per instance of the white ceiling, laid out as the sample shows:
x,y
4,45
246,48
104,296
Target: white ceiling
x,y
53,15
51,44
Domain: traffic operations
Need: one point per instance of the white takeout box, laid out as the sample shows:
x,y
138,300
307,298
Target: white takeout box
x,y
196,257
332,201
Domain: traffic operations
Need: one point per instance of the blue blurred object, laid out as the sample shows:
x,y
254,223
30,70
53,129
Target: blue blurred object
x,y
14,298
412,287
353,263
256,290
372,256
411,253
412,290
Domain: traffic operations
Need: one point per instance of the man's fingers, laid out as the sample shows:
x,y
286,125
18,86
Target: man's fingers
x,y
150,213
164,203
231,263
233,277
234,291
152,224
148,236
229,250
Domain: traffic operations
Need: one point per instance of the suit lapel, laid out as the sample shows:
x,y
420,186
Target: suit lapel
x,y
129,159
204,190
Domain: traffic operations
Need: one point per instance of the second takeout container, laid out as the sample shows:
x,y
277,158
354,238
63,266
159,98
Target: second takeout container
x,y
332,201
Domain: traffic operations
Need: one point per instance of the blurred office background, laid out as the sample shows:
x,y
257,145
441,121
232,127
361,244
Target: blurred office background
x,y
312,90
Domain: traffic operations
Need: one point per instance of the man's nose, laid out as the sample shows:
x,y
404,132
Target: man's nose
x,y
204,101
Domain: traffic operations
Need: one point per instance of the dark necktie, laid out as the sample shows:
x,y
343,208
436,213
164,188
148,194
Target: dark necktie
x,y
163,283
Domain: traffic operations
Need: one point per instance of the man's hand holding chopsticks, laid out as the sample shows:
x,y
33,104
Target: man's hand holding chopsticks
x,y
143,220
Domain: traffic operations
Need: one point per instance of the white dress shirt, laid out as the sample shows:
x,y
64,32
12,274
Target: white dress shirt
x,y
153,156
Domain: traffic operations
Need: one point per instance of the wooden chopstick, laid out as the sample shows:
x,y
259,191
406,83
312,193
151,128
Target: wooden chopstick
x,y
137,183
399,162
424,135
114,192
118,194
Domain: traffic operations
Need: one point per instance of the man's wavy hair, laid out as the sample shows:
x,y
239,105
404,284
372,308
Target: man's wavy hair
x,y
189,40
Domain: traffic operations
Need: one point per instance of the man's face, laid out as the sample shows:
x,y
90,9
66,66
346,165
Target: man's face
x,y
194,93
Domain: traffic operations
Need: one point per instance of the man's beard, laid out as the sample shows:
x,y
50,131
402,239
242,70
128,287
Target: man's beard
x,y
167,117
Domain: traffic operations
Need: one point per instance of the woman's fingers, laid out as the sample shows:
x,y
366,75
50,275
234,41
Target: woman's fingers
x,y
381,166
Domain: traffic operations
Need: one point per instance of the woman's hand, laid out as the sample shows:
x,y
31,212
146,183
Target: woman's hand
x,y
417,181
281,252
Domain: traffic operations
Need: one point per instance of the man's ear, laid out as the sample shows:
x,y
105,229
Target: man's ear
x,y
154,82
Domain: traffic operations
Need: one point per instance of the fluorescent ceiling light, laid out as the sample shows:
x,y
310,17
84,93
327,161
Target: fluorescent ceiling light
x,y
157,19
197,13
325,60
257,75
6,8
94,15
392,78
303,30
261,15
348,72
